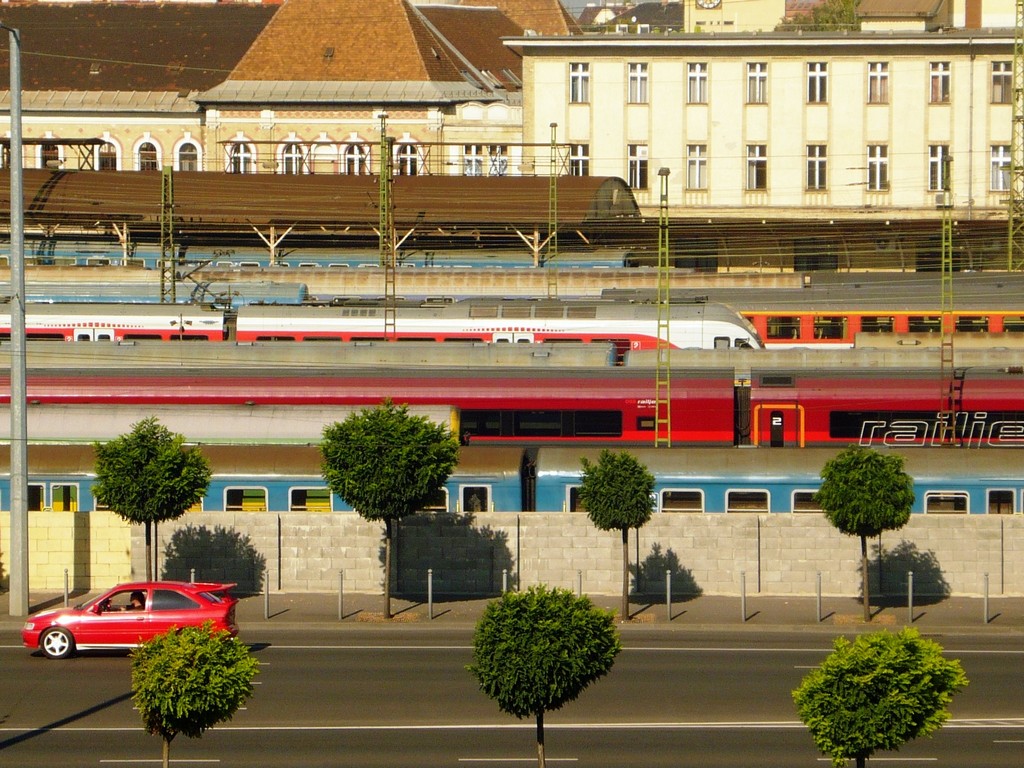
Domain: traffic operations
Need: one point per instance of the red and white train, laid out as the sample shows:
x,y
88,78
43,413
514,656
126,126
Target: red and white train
x,y
693,325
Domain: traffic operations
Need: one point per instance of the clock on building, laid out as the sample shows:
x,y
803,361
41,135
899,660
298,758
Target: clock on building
x,y
708,4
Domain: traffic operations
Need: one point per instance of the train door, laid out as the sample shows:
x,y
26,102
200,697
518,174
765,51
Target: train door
x,y
93,334
512,338
777,425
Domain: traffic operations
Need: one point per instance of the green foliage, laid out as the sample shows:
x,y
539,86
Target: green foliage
x,y
830,16
385,463
187,680
617,491
534,651
877,692
865,492
148,475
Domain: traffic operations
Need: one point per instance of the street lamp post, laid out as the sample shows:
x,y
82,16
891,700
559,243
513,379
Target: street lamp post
x,y
19,422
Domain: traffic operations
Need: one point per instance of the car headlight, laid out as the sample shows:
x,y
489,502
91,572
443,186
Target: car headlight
x,y
29,626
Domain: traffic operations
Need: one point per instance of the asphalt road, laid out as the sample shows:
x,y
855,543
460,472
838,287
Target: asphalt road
x,y
401,697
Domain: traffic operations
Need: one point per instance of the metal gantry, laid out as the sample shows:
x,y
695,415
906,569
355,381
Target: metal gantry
x,y
1015,214
948,408
388,249
168,273
663,366
552,248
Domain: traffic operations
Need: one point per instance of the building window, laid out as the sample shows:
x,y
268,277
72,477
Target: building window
x,y
323,158
107,156
147,157
757,167
1000,175
472,160
241,158
407,158
757,82
817,82
579,160
49,157
817,167
355,159
940,82
697,83
637,172
1002,82
637,84
937,167
878,82
291,158
498,154
696,166
878,167
579,83
188,157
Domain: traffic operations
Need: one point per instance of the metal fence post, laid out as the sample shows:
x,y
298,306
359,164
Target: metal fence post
x,y
504,580
743,595
430,593
668,595
910,597
819,597
192,575
579,583
986,600
341,595
67,594
266,594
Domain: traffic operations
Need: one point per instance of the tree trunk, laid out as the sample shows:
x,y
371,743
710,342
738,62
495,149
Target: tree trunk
x,y
540,740
167,753
149,551
864,578
625,574
387,569
861,761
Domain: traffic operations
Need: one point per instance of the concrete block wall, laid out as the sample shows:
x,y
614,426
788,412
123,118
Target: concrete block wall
x,y
777,554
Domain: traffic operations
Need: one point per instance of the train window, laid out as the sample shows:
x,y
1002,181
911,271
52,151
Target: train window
x,y
537,424
36,497
481,422
804,501
777,380
516,311
924,324
972,324
746,501
597,423
722,342
877,324
784,327
573,500
483,310
946,502
1013,323
1000,502
475,498
309,500
682,501
245,500
645,423
549,311
64,498
830,327
438,502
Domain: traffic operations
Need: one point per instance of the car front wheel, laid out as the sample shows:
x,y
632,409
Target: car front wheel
x,y
57,643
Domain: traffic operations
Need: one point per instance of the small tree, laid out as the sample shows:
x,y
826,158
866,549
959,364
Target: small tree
x,y
187,680
387,464
617,494
534,651
877,692
148,476
864,493
830,16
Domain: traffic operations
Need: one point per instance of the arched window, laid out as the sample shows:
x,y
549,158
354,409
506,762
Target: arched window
x,y
107,156
241,158
355,159
188,157
291,158
49,156
147,157
407,160
324,158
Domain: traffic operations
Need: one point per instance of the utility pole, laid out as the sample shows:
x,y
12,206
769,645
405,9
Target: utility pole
x,y
168,272
552,254
18,565
388,257
949,403
1015,214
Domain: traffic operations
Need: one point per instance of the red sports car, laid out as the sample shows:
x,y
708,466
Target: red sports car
x,y
130,614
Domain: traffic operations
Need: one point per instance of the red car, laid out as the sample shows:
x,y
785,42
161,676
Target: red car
x,y
130,614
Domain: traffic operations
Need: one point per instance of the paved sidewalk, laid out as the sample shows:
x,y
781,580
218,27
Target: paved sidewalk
x,y
756,613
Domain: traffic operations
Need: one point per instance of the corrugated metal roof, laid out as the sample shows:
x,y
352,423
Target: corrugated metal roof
x,y
325,92
104,101
899,8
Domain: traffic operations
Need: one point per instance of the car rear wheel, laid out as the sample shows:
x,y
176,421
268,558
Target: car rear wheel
x,y
57,643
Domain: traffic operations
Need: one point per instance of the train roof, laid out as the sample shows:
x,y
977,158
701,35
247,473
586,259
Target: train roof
x,y
773,464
